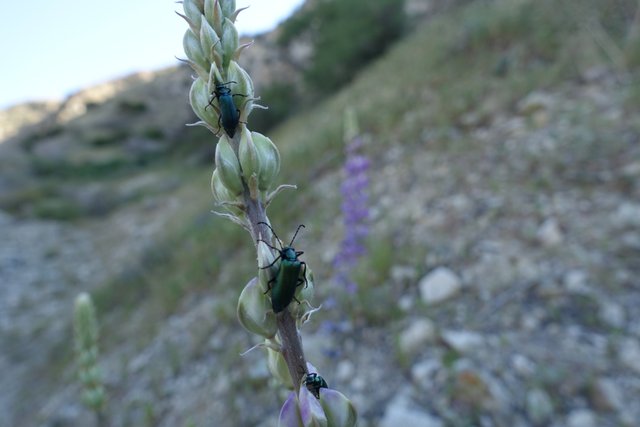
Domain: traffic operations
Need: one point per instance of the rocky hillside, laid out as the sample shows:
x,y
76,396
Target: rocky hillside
x,y
500,285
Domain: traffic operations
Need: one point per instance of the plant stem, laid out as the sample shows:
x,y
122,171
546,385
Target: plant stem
x,y
289,337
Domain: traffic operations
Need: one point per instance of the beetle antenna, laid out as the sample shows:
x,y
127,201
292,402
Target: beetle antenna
x,y
268,244
274,233
294,236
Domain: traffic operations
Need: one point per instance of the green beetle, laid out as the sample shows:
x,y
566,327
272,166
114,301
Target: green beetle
x,y
283,285
314,383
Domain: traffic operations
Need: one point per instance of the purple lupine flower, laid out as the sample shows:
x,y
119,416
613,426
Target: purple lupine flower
x,y
355,212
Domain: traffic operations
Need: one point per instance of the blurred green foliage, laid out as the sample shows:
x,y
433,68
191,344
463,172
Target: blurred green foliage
x,y
281,99
345,36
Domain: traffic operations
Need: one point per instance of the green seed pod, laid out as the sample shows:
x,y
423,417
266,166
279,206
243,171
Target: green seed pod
x,y
338,409
208,41
244,86
228,166
193,11
213,14
265,258
199,100
193,50
228,7
248,154
278,368
269,159
223,196
304,294
254,311
229,42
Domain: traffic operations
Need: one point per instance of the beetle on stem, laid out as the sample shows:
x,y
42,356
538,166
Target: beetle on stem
x,y
229,113
288,278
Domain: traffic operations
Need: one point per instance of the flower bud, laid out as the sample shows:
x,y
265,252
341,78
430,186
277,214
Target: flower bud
x,y
213,13
269,159
311,411
228,7
229,42
193,11
243,86
290,414
193,49
228,166
278,368
265,258
223,196
254,311
85,325
208,41
199,98
248,154
339,410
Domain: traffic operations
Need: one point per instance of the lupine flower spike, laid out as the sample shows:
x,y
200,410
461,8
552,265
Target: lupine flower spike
x,y
355,204
275,303
85,327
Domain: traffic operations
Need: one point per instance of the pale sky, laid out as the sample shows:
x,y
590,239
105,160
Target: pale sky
x,y
51,48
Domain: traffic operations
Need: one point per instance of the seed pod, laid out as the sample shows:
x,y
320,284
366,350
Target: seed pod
x,y
269,159
254,311
228,166
248,154
278,368
338,409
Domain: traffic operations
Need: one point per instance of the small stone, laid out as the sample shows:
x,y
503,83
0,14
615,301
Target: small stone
x,y
581,418
606,395
402,274
549,233
421,332
627,215
421,372
345,371
539,405
405,303
439,285
612,314
575,281
400,416
463,341
629,353
523,365
535,102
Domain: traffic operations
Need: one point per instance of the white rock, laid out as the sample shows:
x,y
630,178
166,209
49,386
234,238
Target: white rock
x,y
607,395
403,274
629,353
523,365
539,405
439,285
421,332
400,416
575,281
581,418
627,215
422,371
463,341
345,370
535,101
549,233
612,314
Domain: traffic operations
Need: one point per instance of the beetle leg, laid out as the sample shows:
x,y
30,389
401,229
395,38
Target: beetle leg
x,y
271,265
269,285
304,274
